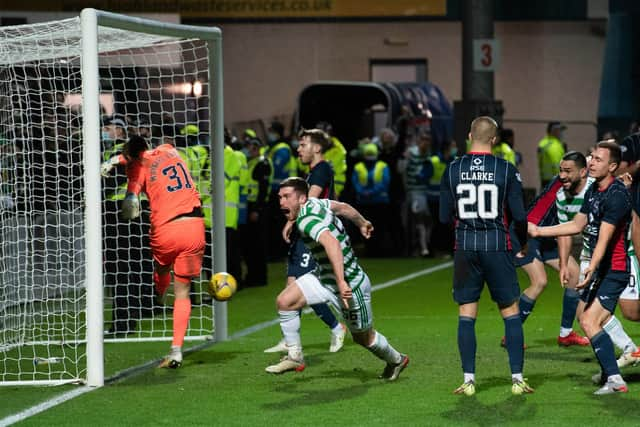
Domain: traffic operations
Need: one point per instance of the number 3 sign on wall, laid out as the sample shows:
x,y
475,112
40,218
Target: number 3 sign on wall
x,y
486,54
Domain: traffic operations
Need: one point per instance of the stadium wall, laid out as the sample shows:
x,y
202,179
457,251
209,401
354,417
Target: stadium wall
x,y
549,70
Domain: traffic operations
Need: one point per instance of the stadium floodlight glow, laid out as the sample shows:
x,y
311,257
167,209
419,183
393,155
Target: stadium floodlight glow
x,y
197,88
194,88
52,299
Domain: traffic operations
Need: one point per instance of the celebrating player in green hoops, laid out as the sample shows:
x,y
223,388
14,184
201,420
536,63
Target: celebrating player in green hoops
x,y
339,279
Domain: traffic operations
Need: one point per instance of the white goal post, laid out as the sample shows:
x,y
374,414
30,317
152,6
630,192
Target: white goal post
x,y
70,92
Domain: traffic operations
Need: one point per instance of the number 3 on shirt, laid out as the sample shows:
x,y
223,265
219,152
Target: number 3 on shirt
x,y
179,178
477,201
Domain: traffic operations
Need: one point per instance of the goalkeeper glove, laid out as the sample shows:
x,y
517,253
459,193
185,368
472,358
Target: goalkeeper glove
x,y
107,166
130,207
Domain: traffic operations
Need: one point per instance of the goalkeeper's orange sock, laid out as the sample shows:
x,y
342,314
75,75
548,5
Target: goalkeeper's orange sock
x,y
181,313
162,282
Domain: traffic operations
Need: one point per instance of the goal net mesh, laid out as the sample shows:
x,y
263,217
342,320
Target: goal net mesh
x,y
151,85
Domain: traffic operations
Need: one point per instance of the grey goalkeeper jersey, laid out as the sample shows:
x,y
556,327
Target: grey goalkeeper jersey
x,y
316,217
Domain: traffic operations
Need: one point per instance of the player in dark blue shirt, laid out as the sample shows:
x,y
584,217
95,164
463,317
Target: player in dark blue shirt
x,y
320,180
630,156
482,194
313,143
605,216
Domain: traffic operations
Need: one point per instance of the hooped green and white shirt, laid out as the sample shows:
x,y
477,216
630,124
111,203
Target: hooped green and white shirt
x,y
314,218
567,206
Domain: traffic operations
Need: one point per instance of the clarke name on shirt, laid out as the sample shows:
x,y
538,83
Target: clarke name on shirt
x,y
476,176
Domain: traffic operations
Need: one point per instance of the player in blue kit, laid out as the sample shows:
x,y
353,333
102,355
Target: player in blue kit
x,y
482,194
313,143
605,216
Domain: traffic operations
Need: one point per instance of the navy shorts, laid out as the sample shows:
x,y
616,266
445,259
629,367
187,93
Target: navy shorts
x,y
299,259
473,268
540,249
607,289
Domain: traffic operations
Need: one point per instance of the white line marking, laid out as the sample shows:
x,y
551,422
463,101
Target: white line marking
x,y
136,370
55,401
392,282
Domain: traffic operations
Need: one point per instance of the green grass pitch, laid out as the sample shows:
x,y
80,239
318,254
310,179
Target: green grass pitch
x,y
226,385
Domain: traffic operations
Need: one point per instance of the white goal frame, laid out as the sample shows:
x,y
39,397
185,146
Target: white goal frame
x,y
90,21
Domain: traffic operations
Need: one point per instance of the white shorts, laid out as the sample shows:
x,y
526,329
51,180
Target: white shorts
x,y
632,291
358,317
418,203
583,266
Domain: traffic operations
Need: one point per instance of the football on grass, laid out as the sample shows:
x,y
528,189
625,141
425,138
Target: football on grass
x,y
222,286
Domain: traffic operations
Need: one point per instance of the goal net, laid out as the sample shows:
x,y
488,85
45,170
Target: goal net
x,y
70,267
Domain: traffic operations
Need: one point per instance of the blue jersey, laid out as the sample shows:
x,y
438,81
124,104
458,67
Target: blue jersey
x,y
322,176
484,195
299,259
613,206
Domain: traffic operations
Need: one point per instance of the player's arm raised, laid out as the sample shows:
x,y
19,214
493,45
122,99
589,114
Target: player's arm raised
x,y
334,253
349,212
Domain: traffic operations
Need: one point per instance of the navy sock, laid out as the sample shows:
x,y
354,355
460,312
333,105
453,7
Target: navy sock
x,y
324,312
569,306
526,306
514,343
467,343
603,349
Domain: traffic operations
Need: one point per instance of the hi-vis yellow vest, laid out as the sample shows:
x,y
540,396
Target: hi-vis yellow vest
x,y
503,151
363,172
119,192
197,159
253,186
438,170
232,167
337,157
550,153
244,182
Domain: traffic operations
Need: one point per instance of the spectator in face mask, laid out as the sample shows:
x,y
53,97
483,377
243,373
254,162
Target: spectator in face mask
x,y
370,180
